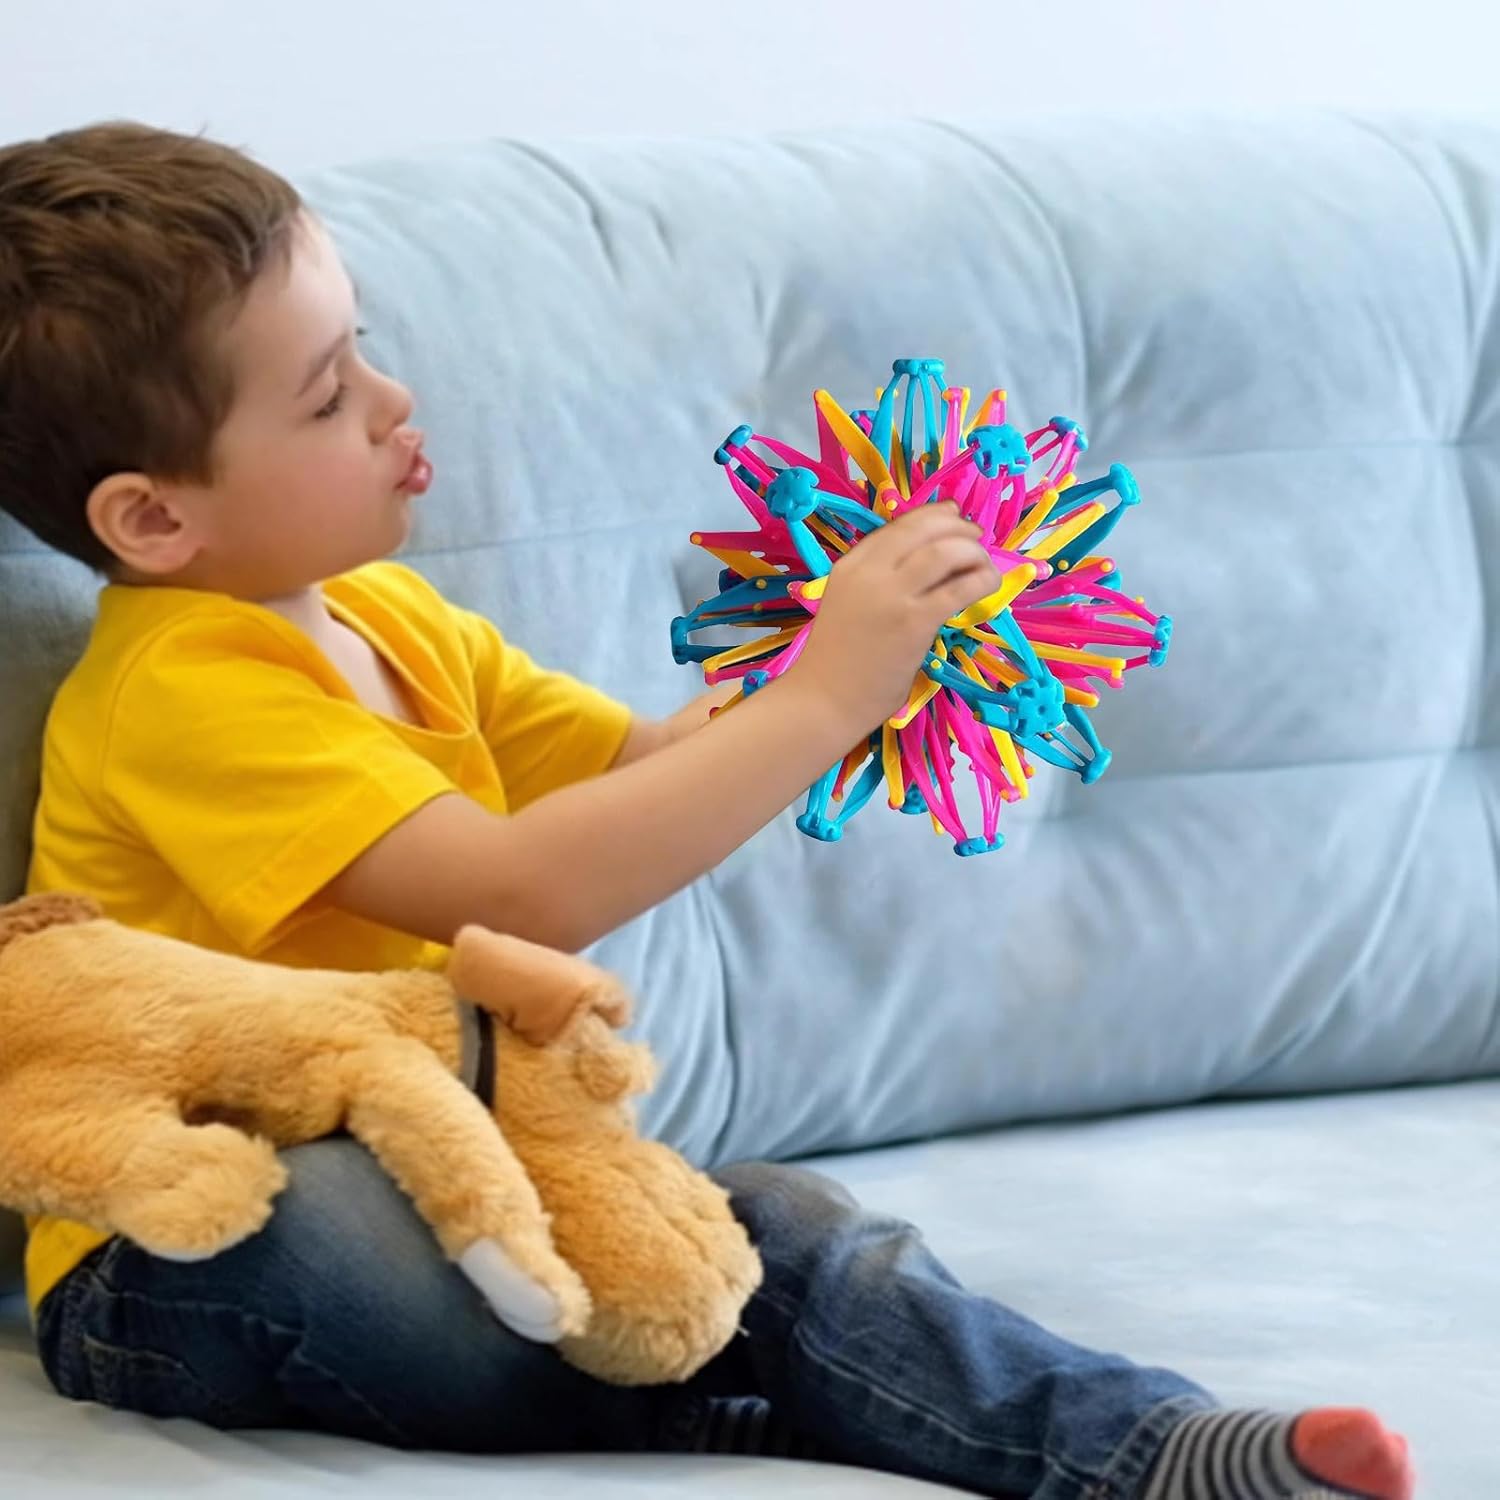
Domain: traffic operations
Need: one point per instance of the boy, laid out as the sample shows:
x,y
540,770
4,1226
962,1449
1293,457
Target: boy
x,y
277,744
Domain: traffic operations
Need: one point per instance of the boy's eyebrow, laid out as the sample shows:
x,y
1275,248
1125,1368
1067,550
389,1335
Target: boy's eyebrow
x,y
330,354
322,362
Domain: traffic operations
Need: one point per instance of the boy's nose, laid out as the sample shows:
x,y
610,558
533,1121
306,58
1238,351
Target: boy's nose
x,y
395,410
404,405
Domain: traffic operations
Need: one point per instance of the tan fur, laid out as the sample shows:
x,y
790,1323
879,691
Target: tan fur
x,y
145,1084
37,912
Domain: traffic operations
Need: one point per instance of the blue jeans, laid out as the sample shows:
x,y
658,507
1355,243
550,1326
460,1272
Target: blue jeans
x,y
342,1315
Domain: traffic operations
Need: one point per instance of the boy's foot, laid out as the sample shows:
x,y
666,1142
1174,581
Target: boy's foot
x,y
1330,1454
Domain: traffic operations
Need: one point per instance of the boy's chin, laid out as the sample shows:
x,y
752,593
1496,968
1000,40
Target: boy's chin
x,y
370,549
401,531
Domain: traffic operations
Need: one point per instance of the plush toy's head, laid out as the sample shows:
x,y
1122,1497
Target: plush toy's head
x,y
578,1085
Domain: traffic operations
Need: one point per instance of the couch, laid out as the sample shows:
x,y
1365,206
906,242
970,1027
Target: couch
x,y
1200,1066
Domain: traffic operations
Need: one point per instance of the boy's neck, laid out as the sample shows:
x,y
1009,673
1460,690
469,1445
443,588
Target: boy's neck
x,y
305,609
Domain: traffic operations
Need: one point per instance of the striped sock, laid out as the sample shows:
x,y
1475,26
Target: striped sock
x,y
1333,1454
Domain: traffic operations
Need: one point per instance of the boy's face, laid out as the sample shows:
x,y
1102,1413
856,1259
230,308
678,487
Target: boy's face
x,y
316,465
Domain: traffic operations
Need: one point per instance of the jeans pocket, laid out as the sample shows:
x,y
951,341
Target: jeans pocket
x,y
147,1381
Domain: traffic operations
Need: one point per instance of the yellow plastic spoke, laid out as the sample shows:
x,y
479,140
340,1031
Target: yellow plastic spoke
x,y
1114,665
890,761
1031,520
1011,761
923,691
1068,531
746,564
983,407
1011,584
899,471
767,646
856,444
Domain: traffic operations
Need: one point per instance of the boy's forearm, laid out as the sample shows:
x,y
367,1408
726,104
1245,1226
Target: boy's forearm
x,y
647,736
601,852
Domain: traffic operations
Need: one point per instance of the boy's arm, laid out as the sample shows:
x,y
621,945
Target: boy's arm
x,y
584,860
647,736
577,863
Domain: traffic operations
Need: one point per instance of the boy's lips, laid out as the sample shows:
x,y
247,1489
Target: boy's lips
x,y
418,476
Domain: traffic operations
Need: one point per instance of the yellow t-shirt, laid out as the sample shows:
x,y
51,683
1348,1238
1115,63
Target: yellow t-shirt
x,y
206,772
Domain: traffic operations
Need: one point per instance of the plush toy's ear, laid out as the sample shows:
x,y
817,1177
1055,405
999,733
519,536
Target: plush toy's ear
x,y
37,913
536,991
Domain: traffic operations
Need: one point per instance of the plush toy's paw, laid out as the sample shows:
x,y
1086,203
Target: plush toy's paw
x,y
216,1187
670,1277
541,1311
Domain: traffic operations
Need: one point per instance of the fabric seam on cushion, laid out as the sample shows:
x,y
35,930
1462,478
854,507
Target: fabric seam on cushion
x,y
1029,196
1403,153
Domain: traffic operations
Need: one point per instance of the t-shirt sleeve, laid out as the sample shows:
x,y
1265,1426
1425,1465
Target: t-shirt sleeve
x,y
244,774
545,729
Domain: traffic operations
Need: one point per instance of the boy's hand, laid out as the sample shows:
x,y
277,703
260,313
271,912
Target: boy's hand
x,y
882,606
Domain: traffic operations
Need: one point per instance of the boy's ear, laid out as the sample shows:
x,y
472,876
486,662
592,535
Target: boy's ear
x,y
143,524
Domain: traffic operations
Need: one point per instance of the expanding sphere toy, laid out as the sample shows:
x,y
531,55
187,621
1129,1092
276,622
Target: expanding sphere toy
x,y
1007,681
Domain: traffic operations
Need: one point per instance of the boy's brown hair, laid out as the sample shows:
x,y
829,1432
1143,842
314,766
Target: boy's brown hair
x,y
124,252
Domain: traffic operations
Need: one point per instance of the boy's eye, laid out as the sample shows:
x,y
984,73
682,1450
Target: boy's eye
x,y
331,407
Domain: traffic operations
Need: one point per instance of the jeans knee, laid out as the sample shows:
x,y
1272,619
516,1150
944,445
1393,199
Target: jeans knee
x,y
802,1221
775,1189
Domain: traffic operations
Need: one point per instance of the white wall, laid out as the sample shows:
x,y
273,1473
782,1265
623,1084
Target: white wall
x,y
302,82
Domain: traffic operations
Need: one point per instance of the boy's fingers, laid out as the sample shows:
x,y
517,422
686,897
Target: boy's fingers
x,y
929,567
911,534
961,589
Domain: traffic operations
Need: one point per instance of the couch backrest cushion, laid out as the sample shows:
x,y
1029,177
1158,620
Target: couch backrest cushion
x,y
1287,881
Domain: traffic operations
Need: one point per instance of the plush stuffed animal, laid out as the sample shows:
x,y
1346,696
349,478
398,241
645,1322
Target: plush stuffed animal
x,y
145,1084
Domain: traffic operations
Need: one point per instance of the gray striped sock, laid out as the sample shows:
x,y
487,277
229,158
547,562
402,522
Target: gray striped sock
x,y
1233,1455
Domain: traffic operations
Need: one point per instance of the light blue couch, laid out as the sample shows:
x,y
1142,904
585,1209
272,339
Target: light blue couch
x,y
1287,885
